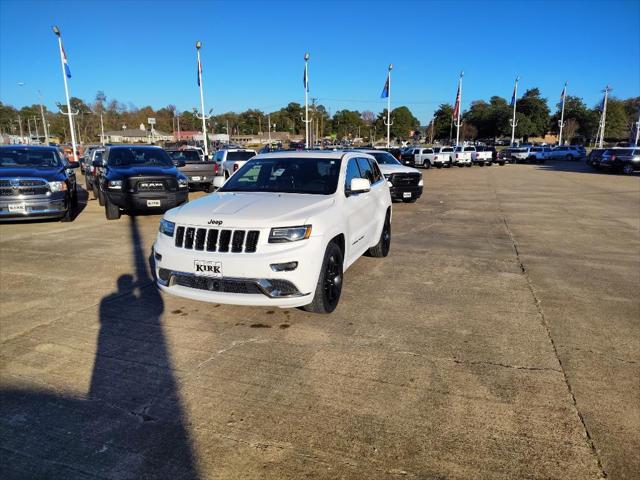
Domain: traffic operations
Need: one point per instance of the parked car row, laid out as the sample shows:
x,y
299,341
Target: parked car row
x,y
447,156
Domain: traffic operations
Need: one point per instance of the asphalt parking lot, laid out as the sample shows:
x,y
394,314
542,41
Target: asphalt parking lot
x,y
499,339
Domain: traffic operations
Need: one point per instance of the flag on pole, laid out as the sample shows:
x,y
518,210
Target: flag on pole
x,y
513,97
564,92
385,90
456,107
64,62
305,78
199,71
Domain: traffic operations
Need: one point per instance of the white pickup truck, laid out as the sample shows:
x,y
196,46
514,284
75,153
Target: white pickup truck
x,y
463,155
279,233
482,156
428,157
229,160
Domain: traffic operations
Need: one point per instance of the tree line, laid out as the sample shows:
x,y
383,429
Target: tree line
x,y
483,120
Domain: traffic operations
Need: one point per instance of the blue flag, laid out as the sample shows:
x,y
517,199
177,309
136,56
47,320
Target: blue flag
x,y
385,90
305,78
67,71
199,71
513,97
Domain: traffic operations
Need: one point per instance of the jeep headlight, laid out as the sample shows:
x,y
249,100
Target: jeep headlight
x,y
289,234
183,182
167,227
115,184
58,186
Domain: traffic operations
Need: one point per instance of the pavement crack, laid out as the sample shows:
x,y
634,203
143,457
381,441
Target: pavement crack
x,y
545,325
504,365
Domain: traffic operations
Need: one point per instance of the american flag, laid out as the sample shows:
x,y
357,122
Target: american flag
x,y
456,107
67,71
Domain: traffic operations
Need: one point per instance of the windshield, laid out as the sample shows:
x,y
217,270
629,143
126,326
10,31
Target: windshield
x,y
384,158
187,156
136,157
240,156
27,158
286,175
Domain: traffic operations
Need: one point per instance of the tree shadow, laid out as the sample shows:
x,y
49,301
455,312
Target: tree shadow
x,y
131,424
577,166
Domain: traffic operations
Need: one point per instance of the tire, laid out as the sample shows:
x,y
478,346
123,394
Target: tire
x,y
460,165
329,286
481,164
94,191
211,188
68,215
426,165
569,157
381,249
101,198
87,187
469,165
74,198
111,211
439,166
501,164
627,169
488,164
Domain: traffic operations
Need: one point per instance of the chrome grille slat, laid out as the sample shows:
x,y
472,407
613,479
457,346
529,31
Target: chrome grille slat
x,y
216,239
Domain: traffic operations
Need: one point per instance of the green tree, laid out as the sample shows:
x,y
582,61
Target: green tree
x,y
617,125
443,123
346,123
403,123
575,109
535,109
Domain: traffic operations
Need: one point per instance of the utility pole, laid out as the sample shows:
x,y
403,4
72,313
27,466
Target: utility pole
x,y
514,100
67,73
637,131
603,121
433,126
459,102
35,123
29,127
20,125
203,116
44,120
101,130
306,101
561,121
269,120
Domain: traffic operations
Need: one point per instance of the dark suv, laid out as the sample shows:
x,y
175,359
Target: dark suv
x,y
36,182
624,160
140,179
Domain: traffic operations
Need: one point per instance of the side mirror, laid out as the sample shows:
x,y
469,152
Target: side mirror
x,y
359,185
73,165
98,163
179,163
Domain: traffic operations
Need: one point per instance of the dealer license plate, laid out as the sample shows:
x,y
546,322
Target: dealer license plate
x,y
196,178
207,268
17,208
153,203
406,195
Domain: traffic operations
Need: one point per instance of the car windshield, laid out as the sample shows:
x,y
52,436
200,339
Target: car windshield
x,y
29,158
240,156
187,156
286,175
130,157
384,158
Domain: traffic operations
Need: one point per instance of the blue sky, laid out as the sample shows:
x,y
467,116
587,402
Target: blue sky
x,y
144,53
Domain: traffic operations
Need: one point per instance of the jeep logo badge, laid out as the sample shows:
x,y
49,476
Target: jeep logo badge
x,y
215,222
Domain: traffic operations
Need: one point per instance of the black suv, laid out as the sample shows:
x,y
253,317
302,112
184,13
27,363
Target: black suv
x,y
36,182
140,179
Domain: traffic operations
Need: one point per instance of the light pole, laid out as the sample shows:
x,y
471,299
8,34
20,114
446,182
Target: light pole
x,y
29,128
203,117
35,123
306,101
67,73
561,121
603,121
637,131
388,123
514,100
20,125
433,126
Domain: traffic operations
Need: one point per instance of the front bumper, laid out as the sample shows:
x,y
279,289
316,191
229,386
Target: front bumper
x,y
33,207
138,201
252,270
399,193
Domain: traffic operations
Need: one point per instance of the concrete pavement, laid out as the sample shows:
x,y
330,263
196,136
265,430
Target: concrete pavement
x,y
498,340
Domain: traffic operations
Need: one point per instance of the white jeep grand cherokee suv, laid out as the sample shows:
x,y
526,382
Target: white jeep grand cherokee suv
x,y
280,232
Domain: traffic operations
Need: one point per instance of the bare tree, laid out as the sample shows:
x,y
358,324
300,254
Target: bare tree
x,y
570,129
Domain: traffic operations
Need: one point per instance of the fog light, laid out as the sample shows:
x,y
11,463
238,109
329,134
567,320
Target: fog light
x,y
284,267
164,274
157,256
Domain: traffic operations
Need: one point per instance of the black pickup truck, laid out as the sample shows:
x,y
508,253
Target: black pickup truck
x,y
199,171
140,179
35,183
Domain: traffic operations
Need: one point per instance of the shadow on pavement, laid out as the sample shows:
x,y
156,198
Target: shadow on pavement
x,y
131,423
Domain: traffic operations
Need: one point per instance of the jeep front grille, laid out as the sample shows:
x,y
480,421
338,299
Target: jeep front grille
x,y
217,239
405,179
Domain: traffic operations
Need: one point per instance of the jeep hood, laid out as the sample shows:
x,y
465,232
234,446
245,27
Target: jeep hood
x,y
251,210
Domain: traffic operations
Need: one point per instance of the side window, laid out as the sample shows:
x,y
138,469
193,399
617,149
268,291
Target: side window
x,y
352,172
377,174
366,170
